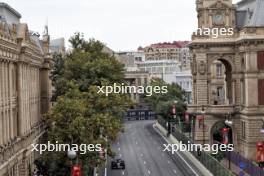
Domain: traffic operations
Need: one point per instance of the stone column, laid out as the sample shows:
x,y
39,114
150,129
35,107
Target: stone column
x,y
45,85
233,91
201,81
251,82
19,98
5,103
1,128
1,100
1,81
4,127
209,95
11,100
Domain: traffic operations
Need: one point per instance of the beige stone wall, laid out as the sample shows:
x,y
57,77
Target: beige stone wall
x,y
24,76
239,52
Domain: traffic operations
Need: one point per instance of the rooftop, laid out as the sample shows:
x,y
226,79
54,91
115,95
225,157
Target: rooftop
x,y
250,13
16,13
175,44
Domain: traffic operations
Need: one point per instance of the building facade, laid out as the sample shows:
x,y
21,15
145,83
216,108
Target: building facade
x,y
24,92
57,46
164,60
241,54
133,75
184,80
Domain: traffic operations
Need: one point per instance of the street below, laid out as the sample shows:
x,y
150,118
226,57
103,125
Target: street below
x,y
141,147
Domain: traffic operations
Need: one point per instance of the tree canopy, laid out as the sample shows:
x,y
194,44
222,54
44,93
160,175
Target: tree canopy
x,y
161,103
80,115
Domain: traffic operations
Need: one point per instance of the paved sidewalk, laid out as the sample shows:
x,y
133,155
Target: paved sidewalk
x,y
234,168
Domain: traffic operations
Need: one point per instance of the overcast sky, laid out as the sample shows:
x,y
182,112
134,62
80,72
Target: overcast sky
x,y
121,24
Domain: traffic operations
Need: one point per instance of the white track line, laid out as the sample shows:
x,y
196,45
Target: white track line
x,y
177,152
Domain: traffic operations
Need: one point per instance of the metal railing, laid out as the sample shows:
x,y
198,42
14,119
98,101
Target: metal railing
x,y
139,114
205,158
250,167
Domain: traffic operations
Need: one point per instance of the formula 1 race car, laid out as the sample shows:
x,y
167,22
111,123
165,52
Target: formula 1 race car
x,y
118,164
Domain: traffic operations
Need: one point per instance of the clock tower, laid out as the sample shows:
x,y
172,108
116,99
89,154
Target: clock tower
x,y
228,74
215,14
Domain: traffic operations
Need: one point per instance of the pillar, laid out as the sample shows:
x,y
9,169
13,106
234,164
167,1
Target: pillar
x,y
20,98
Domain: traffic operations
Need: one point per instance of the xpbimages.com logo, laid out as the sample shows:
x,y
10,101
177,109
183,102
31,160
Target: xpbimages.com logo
x,y
50,147
214,148
123,89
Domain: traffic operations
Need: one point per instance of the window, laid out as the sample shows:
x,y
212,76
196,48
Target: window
x,y
219,69
139,81
261,92
145,81
220,93
260,60
138,59
243,130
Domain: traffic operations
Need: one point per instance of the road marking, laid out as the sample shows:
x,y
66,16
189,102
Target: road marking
x,y
141,155
149,172
123,173
120,155
144,162
119,148
175,172
177,152
168,162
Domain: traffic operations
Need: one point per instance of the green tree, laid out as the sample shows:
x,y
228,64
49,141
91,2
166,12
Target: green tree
x,y
58,81
161,103
81,115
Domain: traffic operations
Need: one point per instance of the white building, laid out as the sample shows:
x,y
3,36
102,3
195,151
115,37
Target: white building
x,y
166,60
184,80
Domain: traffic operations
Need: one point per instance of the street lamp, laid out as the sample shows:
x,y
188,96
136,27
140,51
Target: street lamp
x,y
173,113
229,123
203,114
75,169
71,154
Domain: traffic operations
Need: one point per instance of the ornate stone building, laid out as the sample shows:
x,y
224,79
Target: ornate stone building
x,y
242,54
24,91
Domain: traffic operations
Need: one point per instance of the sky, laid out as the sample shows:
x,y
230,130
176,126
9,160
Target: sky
x,y
120,24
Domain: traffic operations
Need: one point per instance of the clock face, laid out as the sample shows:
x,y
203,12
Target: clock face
x,y
218,19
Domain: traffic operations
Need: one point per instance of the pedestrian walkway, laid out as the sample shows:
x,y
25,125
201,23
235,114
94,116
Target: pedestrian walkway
x,y
234,168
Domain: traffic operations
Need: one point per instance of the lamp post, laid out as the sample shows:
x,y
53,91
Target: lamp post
x,y
71,155
175,113
203,114
229,123
187,120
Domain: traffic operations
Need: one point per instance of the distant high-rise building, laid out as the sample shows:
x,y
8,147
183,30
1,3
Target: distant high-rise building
x,y
58,46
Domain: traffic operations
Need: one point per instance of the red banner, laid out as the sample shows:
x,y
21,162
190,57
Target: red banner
x,y
76,170
260,152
